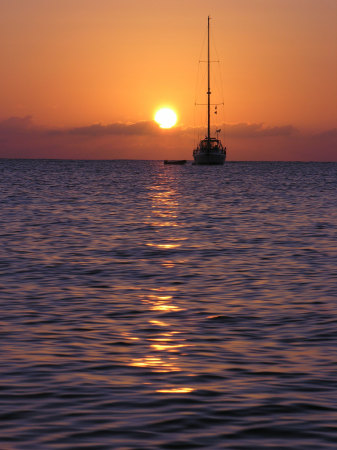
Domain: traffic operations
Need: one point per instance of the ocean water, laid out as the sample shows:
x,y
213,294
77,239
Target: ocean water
x,y
146,306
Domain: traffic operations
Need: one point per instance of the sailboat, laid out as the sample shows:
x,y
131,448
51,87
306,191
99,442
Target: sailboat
x,y
210,150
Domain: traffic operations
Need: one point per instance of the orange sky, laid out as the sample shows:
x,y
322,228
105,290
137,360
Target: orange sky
x,y
70,64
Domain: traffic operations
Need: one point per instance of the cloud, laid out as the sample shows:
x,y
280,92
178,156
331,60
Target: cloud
x,y
328,134
252,130
143,128
13,125
245,130
16,124
20,137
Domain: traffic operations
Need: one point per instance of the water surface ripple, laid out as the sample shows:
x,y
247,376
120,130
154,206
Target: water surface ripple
x,y
146,306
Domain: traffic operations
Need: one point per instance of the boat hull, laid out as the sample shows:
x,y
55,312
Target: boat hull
x,y
209,158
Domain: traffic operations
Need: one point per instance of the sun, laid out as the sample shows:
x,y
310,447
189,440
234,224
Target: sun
x,y
165,117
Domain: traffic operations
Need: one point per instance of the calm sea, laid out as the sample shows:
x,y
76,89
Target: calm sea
x,y
146,306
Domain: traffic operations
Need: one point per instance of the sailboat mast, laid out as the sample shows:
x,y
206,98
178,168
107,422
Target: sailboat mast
x,y
208,86
209,150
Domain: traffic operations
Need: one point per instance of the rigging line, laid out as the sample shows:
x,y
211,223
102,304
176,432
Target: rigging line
x,y
219,106
198,82
202,49
199,112
221,90
203,45
219,66
199,85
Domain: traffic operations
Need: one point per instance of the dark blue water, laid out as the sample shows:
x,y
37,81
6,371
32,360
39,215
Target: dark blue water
x,y
146,306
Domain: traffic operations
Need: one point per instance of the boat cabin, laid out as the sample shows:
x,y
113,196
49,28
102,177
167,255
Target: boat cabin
x,y
210,144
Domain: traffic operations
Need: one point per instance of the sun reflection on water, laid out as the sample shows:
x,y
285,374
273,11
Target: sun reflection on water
x,y
163,245
174,390
161,303
164,346
164,224
160,323
157,363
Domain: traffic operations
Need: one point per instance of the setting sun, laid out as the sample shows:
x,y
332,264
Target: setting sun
x,y
166,118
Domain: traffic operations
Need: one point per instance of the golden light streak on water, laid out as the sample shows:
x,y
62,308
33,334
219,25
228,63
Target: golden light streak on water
x,y
175,390
160,323
157,364
166,347
164,246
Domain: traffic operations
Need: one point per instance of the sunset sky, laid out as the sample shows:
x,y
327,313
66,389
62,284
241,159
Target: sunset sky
x,y
84,78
